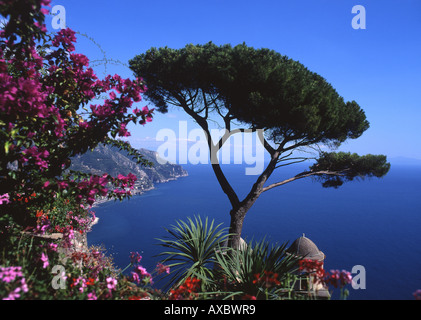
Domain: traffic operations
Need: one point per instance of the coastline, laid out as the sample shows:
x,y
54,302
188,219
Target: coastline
x,y
138,190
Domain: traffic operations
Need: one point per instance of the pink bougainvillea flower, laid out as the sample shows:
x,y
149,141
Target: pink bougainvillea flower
x,y
122,131
44,259
9,274
111,283
160,268
4,198
92,296
135,257
79,59
65,37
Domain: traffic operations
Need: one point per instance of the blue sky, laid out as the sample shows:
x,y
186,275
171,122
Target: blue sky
x,y
379,67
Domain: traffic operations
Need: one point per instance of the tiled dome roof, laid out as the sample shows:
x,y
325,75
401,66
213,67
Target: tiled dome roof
x,y
305,248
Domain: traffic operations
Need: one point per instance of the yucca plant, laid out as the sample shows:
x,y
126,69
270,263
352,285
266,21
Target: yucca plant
x,y
260,270
191,250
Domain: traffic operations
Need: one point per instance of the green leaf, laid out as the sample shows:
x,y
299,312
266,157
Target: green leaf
x,y
259,87
345,166
7,146
192,245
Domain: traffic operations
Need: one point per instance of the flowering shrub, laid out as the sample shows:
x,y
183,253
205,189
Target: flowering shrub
x,y
47,117
187,290
13,281
257,271
86,274
267,279
139,273
160,268
338,279
45,90
334,278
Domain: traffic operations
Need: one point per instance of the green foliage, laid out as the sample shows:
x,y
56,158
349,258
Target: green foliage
x,y
259,87
50,269
192,247
244,270
197,250
349,167
45,88
132,152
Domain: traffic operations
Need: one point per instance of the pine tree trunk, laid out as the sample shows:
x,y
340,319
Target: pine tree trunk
x,y
238,213
236,225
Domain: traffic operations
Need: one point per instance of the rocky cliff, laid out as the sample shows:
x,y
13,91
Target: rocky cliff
x,y
112,161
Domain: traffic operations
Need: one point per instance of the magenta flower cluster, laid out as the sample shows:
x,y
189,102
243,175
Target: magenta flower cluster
x,y
47,117
4,198
38,156
13,276
139,273
66,38
40,99
338,279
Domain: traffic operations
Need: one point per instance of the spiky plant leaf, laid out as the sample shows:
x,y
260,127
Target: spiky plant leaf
x,y
191,247
240,267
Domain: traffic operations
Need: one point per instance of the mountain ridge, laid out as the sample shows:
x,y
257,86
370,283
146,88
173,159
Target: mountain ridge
x,y
107,159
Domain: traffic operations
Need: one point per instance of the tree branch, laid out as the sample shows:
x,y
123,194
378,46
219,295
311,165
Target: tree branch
x,y
293,162
223,182
264,142
301,176
225,137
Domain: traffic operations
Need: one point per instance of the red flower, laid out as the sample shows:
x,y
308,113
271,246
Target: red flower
x,y
308,265
268,278
248,297
90,282
142,296
417,294
186,291
338,278
313,267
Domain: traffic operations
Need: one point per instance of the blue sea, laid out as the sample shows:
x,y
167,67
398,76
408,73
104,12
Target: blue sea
x,y
374,223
